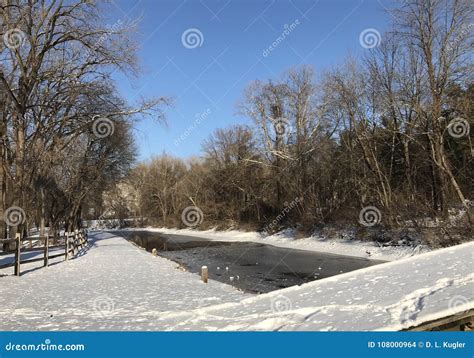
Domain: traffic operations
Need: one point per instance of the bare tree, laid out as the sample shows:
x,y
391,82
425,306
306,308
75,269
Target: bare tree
x,y
55,77
440,33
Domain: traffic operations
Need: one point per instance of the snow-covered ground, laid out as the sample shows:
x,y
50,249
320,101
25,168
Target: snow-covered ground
x,y
114,285
117,286
348,247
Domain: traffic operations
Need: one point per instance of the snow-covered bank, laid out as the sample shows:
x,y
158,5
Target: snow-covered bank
x,y
287,239
391,296
113,286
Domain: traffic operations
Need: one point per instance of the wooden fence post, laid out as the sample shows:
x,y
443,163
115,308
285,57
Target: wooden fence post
x,y
67,245
17,254
71,238
76,240
204,274
46,250
72,244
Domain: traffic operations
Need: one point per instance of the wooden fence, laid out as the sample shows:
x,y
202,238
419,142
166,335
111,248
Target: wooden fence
x,y
69,242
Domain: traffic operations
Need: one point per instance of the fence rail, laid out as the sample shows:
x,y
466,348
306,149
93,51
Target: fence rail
x,y
73,241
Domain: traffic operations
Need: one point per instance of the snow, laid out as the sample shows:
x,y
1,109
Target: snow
x,y
113,285
287,239
117,286
386,297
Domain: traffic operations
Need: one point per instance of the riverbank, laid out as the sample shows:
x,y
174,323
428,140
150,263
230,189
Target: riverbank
x,y
287,239
249,266
387,297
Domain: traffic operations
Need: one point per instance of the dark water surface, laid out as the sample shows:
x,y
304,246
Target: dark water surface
x,y
249,266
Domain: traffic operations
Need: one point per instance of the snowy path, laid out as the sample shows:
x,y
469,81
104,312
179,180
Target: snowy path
x,y
390,296
114,286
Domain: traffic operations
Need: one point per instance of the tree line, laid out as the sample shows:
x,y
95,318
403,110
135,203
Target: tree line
x,y
380,140
389,132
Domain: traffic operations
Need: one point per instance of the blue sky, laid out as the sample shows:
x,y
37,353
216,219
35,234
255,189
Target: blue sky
x,y
207,81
